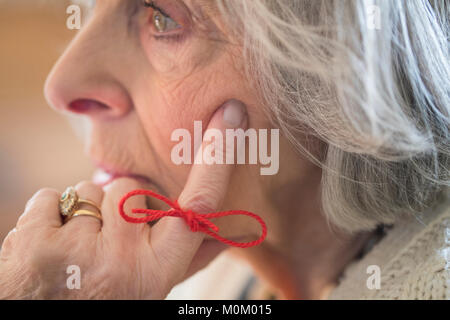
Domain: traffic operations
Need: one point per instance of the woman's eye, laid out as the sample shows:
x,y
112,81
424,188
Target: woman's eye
x,y
163,23
160,19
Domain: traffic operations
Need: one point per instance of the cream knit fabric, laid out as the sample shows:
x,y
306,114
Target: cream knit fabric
x,y
413,260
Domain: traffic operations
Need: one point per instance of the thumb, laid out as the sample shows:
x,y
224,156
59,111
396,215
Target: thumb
x,y
204,191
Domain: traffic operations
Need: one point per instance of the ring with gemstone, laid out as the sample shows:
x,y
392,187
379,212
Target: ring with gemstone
x,y
69,203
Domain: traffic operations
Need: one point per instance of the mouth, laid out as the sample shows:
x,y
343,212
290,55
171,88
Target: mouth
x,y
105,175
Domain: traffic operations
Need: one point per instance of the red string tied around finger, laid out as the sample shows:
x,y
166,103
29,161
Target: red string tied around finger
x,y
197,222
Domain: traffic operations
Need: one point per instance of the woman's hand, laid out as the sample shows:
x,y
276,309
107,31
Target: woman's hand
x,y
116,259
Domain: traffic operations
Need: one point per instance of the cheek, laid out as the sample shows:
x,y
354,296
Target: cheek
x,y
195,98
164,107
174,104
177,101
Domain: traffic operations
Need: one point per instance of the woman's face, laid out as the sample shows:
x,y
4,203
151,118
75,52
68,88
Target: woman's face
x,y
139,73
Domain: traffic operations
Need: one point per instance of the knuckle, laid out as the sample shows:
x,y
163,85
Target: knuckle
x,y
201,201
87,184
42,193
47,192
20,242
24,216
89,190
35,201
8,242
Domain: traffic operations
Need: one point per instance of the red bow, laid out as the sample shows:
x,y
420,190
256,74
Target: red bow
x,y
196,222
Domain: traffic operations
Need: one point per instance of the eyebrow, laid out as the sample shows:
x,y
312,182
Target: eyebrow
x,y
203,9
204,6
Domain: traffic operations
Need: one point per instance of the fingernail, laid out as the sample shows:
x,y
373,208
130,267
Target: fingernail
x,y
234,113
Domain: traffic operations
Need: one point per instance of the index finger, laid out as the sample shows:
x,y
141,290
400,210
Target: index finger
x,y
206,186
208,181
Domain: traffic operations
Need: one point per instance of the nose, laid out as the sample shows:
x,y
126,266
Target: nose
x,y
86,78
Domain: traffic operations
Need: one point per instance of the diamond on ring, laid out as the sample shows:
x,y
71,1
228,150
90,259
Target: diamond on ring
x,y
68,202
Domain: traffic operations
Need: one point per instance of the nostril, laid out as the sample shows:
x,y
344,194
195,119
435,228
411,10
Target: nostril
x,y
87,106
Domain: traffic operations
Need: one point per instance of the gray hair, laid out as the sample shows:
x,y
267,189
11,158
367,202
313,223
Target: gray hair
x,y
376,98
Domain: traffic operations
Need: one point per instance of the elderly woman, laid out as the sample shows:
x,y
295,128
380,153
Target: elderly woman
x,y
358,207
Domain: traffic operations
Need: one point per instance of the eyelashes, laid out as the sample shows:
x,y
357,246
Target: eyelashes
x,y
163,23
175,38
151,4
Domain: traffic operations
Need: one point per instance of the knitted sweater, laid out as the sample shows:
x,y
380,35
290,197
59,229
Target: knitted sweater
x,y
413,261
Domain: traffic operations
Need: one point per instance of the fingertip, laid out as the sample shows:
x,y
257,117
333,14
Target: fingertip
x,y
230,115
234,113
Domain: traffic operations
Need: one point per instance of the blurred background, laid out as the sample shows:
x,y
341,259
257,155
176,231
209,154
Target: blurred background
x,y
38,147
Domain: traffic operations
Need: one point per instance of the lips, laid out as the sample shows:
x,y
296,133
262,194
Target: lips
x,y
103,177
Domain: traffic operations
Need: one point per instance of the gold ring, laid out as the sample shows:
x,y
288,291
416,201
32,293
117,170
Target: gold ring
x,y
89,202
70,203
88,213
